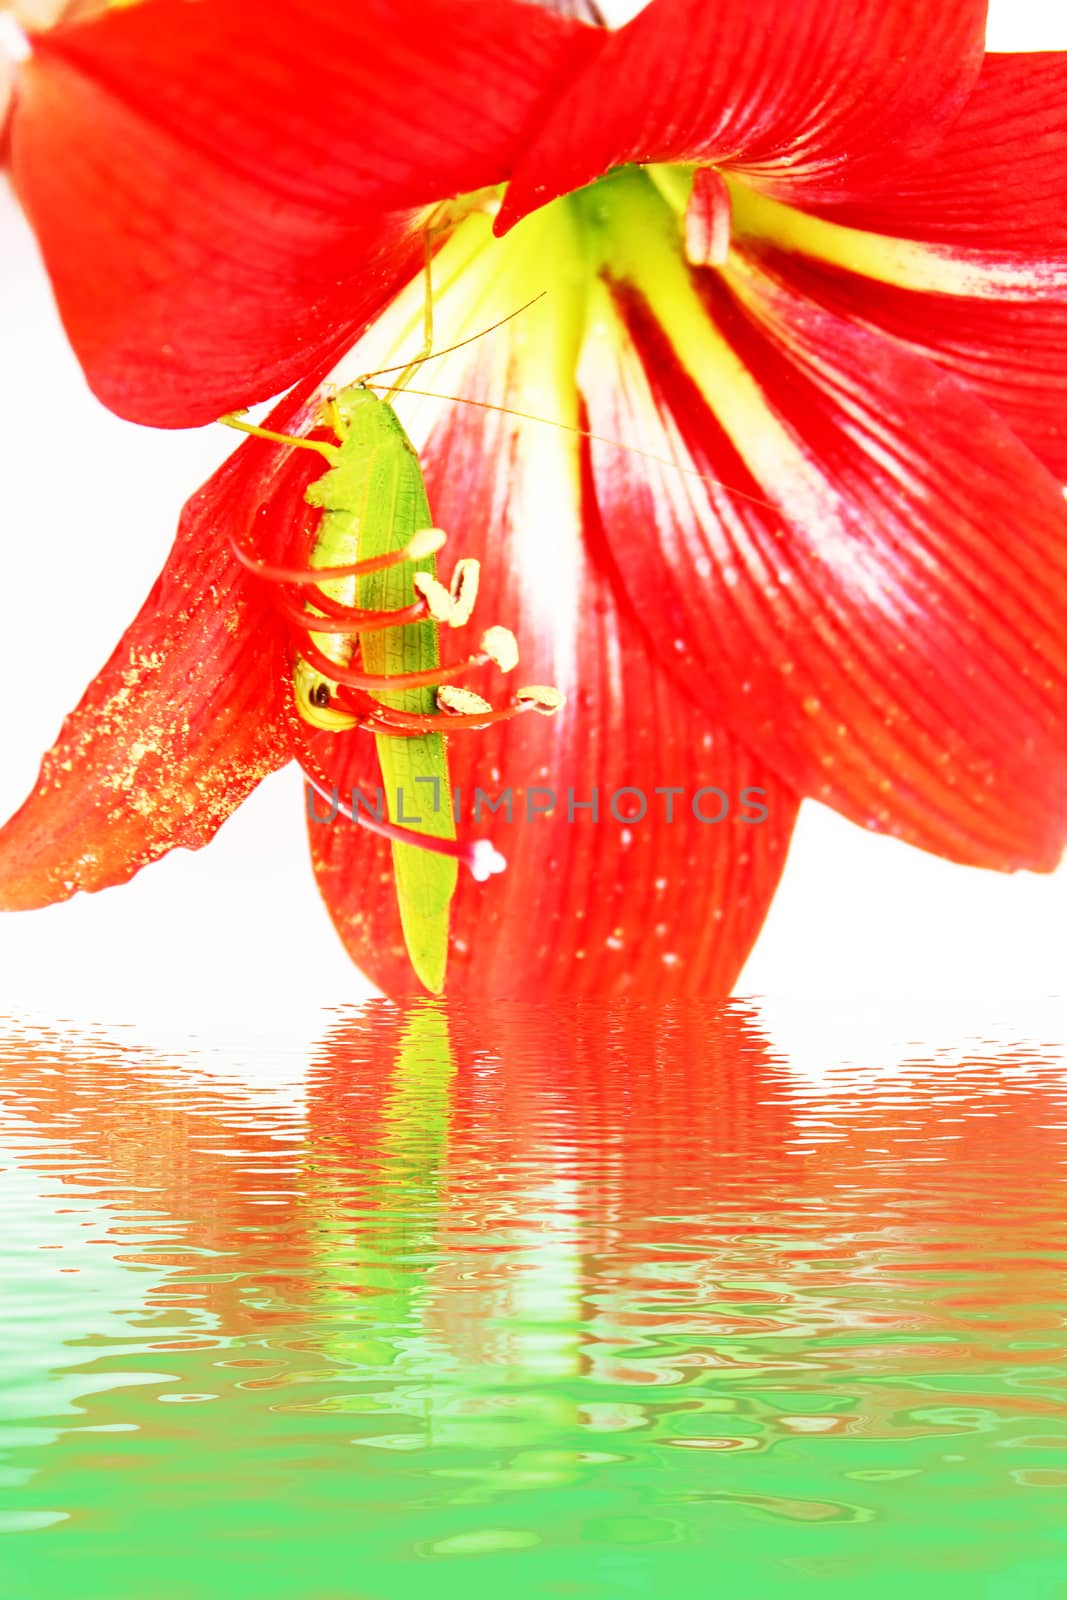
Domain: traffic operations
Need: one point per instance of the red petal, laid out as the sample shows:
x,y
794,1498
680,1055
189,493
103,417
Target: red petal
x,y
224,200
799,96
996,181
335,106
179,726
583,907
1009,347
991,204
878,605
185,291
578,10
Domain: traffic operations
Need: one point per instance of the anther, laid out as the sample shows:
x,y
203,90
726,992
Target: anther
x,y
540,697
439,602
502,648
460,702
425,543
464,590
453,606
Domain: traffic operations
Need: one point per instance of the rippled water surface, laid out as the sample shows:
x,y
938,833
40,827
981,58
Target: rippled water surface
x,y
531,1304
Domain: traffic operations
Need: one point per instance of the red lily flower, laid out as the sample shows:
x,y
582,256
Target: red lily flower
x,y
853,346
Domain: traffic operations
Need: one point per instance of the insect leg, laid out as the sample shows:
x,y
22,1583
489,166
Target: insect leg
x,y
427,316
232,420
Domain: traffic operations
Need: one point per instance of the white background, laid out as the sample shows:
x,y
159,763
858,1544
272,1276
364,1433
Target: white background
x,y
200,941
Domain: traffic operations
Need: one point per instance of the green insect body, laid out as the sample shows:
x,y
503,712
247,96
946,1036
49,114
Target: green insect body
x,y
374,500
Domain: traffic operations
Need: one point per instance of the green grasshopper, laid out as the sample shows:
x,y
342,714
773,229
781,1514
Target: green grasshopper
x,y
370,657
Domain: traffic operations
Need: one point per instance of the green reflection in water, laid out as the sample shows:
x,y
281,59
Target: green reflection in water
x,y
550,1306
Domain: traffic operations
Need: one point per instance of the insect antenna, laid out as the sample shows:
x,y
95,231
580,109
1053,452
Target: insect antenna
x,y
587,433
406,368
428,353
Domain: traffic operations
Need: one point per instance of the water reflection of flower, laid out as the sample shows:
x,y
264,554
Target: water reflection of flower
x,y
523,1225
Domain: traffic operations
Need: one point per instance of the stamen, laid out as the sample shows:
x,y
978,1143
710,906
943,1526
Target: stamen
x,y
334,696
349,620
317,575
321,601
383,683
459,715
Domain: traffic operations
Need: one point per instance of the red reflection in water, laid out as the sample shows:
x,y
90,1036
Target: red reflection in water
x,y
652,1181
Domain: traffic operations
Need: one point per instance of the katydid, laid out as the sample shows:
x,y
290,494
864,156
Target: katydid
x,y
374,502
369,655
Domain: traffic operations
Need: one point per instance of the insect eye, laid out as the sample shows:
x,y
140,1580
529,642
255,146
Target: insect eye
x,y
320,695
